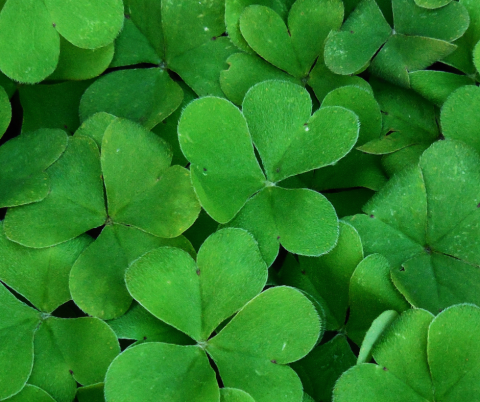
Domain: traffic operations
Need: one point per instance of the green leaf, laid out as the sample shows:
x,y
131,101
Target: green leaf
x,y
453,355
404,53
95,126
349,202
432,3
97,280
235,8
23,162
277,327
40,275
289,139
85,23
234,395
179,373
224,172
51,106
371,293
68,351
74,205
378,327
293,49
163,195
363,33
138,324
132,47
167,130
8,85
458,116
76,63
29,44
436,86
408,119
17,328
402,159
229,272
320,369
245,71
91,393
31,393
5,111
203,227
146,96
301,220
446,23
327,278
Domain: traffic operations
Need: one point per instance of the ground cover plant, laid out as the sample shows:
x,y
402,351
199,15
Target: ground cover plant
x,y
239,201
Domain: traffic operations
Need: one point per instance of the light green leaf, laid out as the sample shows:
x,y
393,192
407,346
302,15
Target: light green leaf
x,y
132,47
320,369
436,86
229,272
163,194
363,33
458,116
218,145
404,53
68,351
138,324
289,139
23,162
403,159
453,354
91,393
31,393
51,106
76,63
40,275
95,126
87,24
146,96
371,293
234,395
245,71
74,205
432,3
277,327
29,44
379,325
17,328
176,373
5,111
446,23
327,278
97,280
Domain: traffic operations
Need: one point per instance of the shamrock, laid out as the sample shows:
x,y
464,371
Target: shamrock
x,y
268,330
420,358
292,51
33,34
76,201
420,37
183,36
229,181
50,353
424,221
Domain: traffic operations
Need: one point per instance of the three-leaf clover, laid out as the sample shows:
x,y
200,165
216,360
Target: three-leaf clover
x,y
424,221
141,189
269,330
420,358
51,353
217,140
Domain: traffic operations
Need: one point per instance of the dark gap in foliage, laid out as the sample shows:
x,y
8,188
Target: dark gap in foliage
x,y
340,190
438,66
18,296
365,75
347,316
69,310
174,76
125,343
132,67
3,212
355,348
217,373
95,232
328,336
15,127
278,263
260,162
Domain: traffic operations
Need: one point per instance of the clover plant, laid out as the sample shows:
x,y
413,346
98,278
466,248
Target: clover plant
x,y
239,200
